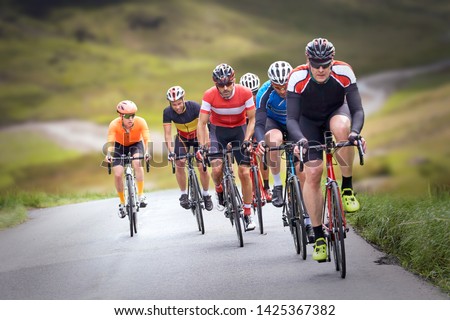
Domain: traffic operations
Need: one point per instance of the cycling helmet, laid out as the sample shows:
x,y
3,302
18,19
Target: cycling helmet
x,y
278,72
175,93
251,81
320,51
126,107
223,74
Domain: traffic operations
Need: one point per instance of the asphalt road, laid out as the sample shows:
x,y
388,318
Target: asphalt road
x,y
84,251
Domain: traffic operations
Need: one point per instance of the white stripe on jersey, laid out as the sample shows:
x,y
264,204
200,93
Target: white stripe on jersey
x,y
228,111
295,78
345,70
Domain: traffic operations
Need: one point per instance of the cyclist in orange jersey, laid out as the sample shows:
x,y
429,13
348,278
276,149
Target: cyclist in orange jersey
x,y
128,133
228,106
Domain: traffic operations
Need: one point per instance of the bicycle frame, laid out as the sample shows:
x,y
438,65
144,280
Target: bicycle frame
x,y
232,198
259,194
194,192
129,187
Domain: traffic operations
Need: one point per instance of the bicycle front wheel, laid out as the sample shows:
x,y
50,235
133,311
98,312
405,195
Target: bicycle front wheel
x,y
131,203
298,210
234,207
196,205
257,202
337,236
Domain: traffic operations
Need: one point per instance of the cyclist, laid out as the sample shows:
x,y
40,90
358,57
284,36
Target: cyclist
x,y
184,115
228,106
128,133
271,127
323,95
251,81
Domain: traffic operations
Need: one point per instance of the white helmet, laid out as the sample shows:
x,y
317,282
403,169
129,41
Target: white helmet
x,y
279,71
175,93
251,81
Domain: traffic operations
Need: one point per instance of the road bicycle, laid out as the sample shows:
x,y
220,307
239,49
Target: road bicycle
x,y
129,186
294,210
194,192
259,193
333,215
231,197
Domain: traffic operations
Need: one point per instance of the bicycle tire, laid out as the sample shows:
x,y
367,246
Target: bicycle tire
x,y
130,204
257,202
197,202
232,197
337,236
299,222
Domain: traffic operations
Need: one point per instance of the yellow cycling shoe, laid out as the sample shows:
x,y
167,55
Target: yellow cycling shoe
x,y
349,200
320,250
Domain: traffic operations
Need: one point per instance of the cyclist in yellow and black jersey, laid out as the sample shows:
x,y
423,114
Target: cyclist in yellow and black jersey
x,y
184,115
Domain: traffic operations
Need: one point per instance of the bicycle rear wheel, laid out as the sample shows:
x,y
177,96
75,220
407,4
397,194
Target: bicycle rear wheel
x,y
131,203
234,207
298,209
257,202
337,236
196,199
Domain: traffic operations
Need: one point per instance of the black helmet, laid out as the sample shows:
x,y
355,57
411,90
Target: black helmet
x,y
320,51
223,74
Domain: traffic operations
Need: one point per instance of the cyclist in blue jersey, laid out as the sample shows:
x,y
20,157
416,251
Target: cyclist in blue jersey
x,y
322,96
271,127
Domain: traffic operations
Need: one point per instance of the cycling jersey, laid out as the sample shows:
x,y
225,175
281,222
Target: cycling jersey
x,y
186,122
139,132
269,105
228,112
318,101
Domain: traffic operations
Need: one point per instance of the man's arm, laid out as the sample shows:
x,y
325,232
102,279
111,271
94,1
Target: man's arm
x,y
168,136
202,129
293,117
251,124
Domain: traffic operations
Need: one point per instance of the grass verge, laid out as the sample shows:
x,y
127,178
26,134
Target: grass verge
x,y
414,230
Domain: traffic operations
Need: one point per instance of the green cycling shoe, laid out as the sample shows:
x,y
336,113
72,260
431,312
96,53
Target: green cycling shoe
x,y
320,250
349,200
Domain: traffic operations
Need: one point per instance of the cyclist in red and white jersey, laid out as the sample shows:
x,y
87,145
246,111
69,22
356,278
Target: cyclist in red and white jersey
x,y
227,106
323,95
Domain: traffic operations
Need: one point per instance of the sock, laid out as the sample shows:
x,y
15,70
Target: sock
x,y
140,187
277,180
266,184
205,193
347,183
121,197
219,188
247,207
183,192
318,232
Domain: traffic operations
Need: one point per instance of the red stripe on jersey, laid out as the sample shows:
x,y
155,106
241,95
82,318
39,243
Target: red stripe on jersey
x,y
343,73
298,79
228,113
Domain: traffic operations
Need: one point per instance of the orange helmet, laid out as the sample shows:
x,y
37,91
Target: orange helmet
x,y
126,107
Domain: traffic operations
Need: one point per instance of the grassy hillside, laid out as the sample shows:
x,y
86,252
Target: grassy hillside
x,y
59,60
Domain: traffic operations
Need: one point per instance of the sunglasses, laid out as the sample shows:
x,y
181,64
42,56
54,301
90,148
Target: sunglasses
x,y
228,84
279,88
128,116
317,65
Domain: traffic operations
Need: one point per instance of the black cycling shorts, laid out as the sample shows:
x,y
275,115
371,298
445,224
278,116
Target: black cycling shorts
x,y
314,131
221,136
119,150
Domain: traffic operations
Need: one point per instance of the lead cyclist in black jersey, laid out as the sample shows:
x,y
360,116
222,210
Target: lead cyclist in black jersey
x,y
184,115
322,96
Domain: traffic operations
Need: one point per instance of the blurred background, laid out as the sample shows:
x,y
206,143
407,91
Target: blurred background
x,y
64,65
